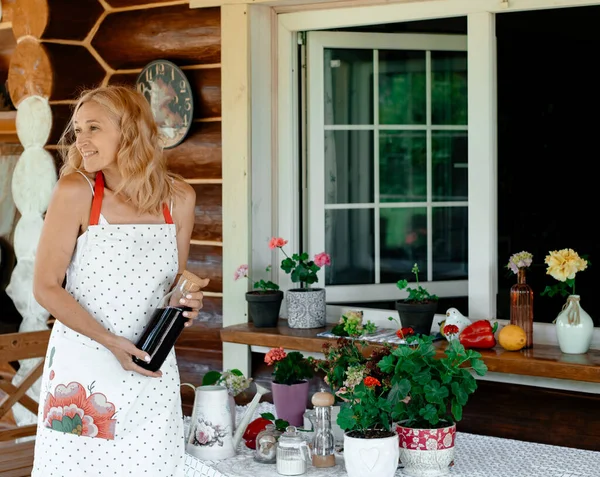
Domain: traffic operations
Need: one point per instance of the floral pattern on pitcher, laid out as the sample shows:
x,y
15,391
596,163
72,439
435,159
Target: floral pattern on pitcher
x,y
426,439
72,411
207,434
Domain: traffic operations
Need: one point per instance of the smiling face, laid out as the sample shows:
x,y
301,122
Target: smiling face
x,y
97,137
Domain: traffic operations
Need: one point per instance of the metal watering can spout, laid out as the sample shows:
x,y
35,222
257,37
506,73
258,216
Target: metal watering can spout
x,y
241,428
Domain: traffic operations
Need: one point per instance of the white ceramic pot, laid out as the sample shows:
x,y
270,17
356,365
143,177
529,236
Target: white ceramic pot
x,y
426,452
574,327
371,457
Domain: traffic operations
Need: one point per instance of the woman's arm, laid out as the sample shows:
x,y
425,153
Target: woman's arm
x,y
184,218
67,214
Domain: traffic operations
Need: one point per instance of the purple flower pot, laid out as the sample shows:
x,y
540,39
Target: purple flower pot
x,y
290,401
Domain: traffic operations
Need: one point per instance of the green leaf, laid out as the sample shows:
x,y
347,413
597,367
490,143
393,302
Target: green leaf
x,y
281,424
77,421
67,424
459,393
435,393
479,367
236,372
387,364
57,425
456,410
429,413
423,376
399,391
52,351
210,378
346,419
268,415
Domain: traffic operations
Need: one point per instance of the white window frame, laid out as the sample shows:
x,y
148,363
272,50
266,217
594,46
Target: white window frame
x,y
317,42
483,268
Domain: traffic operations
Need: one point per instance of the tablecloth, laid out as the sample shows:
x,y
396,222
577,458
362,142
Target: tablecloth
x,y
476,456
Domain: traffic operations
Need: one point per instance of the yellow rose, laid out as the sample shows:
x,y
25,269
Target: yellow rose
x,y
564,264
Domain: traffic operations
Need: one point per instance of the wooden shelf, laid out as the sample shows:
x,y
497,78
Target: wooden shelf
x,y
541,361
8,127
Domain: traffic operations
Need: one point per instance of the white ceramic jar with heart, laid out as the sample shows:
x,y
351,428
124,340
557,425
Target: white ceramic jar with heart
x,y
366,457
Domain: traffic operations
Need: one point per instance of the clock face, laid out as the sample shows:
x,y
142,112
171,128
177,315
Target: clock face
x,y
169,93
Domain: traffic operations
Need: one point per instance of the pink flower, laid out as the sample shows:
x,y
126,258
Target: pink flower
x,y
52,375
322,259
274,355
241,272
277,242
94,413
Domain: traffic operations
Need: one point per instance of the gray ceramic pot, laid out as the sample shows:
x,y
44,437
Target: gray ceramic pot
x,y
306,307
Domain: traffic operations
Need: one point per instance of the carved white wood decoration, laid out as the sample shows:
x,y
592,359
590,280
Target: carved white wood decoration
x,y
33,180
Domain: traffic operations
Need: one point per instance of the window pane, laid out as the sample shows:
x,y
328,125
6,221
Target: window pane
x,y
450,172
403,243
450,243
348,167
449,87
402,166
349,239
402,87
348,86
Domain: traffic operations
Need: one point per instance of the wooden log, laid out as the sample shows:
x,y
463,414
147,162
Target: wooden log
x,y
8,7
206,261
212,311
199,155
203,335
131,39
208,224
7,48
134,3
8,128
206,84
54,19
55,71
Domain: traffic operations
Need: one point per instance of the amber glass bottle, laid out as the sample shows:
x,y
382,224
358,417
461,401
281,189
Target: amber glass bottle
x,y
521,306
167,322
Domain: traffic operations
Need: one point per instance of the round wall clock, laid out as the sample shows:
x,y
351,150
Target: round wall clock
x,y
170,96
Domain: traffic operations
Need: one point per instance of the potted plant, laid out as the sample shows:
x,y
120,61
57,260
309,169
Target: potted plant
x,y
264,301
305,305
291,372
427,396
417,310
574,326
232,379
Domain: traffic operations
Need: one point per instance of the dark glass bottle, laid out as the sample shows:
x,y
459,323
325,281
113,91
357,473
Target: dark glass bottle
x,y
167,322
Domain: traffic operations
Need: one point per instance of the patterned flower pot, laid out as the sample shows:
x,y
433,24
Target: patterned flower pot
x,y
263,307
306,307
371,457
426,452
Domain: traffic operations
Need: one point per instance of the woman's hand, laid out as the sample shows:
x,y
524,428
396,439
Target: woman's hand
x,y
124,350
194,301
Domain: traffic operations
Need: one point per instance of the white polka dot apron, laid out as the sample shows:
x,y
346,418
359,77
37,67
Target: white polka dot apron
x,y
95,418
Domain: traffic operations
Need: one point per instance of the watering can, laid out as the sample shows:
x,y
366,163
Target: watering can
x,y
211,435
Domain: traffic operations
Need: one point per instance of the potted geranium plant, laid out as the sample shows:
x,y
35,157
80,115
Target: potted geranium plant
x,y
291,372
574,326
305,305
427,396
264,301
417,310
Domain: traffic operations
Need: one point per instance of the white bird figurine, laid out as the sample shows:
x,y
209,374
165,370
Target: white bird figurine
x,y
456,318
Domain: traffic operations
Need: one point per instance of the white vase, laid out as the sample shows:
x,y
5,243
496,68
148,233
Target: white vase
x,y
574,327
371,457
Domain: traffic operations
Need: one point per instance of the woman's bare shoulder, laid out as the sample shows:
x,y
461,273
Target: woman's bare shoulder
x,y
186,193
74,187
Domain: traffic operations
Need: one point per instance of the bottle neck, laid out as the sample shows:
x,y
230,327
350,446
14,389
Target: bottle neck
x,y
521,276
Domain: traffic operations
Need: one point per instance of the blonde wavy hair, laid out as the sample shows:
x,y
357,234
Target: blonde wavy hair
x,y
145,181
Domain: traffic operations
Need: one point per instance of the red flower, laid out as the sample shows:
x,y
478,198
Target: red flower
x,y
277,242
404,332
451,329
274,355
70,410
371,382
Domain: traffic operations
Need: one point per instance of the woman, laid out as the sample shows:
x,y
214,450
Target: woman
x,y
119,226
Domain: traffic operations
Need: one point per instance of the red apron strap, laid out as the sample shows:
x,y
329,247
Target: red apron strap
x,y
97,200
167,214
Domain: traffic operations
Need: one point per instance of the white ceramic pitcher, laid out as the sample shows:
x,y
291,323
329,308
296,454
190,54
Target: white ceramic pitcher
x,y
211,434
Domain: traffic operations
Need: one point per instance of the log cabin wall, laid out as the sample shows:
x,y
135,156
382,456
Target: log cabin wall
x,y
64,47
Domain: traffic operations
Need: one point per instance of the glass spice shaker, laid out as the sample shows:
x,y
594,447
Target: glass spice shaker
x,y
323,447
293,455
266,445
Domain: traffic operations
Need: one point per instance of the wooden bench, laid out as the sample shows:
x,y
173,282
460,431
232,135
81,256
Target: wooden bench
x,y
16,458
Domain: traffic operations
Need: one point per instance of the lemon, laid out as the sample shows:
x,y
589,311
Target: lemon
x,y
512,338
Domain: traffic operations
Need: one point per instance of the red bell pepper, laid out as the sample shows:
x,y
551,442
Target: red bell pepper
x,y
479,334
